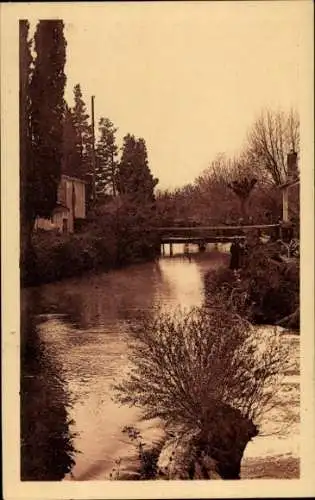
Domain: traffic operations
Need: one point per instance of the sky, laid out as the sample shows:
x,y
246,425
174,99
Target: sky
x,y
188,77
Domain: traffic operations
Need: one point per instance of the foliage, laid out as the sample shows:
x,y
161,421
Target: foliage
x,y
243,188
135,241
83,128
42,83
208,199
108,239
135,180
46,115
71,158
27,215
25,130
58,256
106,154
265,290
148,456
206,374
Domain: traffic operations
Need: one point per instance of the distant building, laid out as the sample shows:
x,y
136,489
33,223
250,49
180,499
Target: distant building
x,y
71,205
291,186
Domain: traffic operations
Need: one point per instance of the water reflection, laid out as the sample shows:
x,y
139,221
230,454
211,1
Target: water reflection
x,y
83,322
96,300
82,329
46,442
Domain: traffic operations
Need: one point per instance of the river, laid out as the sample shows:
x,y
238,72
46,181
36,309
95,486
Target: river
x,y
82,328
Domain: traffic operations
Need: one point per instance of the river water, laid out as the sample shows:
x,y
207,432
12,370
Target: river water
x,y
83,325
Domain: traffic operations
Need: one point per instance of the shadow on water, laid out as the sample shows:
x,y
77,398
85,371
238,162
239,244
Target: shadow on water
x,y
80,328
95,300
46,442
74,344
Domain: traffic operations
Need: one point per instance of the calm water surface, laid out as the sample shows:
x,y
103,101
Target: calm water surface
x,y
83,324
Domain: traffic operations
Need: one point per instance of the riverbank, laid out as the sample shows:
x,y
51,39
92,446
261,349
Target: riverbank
x,y
273,453
265,290
54,256
83,324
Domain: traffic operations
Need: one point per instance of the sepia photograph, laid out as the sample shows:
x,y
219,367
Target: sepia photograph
x,y
160,155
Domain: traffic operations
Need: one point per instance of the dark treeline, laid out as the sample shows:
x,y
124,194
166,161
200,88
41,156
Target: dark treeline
x,y
193,371
57,139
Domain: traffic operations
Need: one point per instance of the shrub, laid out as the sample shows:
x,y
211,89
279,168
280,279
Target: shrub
x,y
114,234
265,290
207,375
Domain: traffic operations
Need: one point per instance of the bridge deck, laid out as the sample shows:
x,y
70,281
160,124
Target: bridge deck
x,y
215,228
200,239
209,234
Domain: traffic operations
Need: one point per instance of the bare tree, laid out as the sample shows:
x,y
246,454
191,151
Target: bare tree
x,y
214,196
208,375
271,138
242,188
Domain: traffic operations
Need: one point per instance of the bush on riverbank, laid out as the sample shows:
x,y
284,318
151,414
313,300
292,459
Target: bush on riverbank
x,y
203,375
57,256
109,240
265,291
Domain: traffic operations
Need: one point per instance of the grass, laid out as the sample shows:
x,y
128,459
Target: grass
x,y
271,468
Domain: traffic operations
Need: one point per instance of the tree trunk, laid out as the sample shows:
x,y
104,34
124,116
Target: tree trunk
x,y
291,321
217,454
244,208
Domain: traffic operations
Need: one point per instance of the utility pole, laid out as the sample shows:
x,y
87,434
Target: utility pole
x,y
93,151
113,174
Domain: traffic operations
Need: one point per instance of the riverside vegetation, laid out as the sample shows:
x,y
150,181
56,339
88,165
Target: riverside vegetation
x,y
206,374
265,291
113,237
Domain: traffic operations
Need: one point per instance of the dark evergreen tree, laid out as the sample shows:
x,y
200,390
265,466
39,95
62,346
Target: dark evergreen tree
x,y
27,213
71,160
135,179
47,115
106,158
83,129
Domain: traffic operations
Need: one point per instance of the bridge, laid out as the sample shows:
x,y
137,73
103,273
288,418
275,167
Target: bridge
x,y
201,235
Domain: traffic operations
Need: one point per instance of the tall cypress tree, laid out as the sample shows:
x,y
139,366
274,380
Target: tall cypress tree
x,y
47,114
83,132
71,160
24,95
27,215
106,155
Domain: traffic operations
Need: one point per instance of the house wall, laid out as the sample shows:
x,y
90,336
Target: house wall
x,y
80,208
58,219
46,224
71,194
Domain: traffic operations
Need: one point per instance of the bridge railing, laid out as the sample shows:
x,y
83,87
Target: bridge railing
x,y
215,230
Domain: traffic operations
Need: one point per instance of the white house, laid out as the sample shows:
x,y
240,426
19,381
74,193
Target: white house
x,y
71,205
